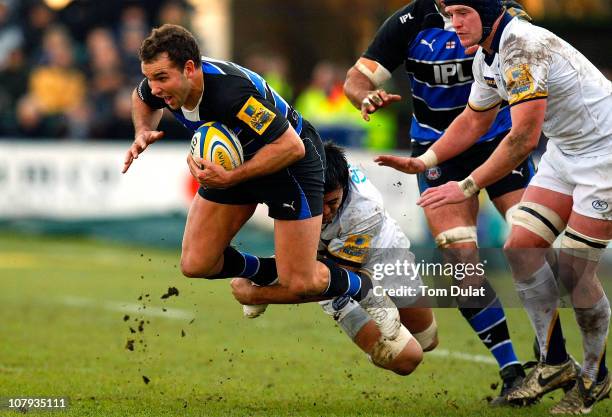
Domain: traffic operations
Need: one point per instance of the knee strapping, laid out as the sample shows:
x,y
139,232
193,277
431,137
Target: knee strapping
x,y
385,351
538,219
427,337
579,245
457,235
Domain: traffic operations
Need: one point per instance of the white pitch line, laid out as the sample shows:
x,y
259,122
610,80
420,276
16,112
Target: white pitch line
x,y
125,307
468,357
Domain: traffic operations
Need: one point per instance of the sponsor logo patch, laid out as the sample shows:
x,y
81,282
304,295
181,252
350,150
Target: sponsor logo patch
x,y
256,115
355,248
521,85
600,205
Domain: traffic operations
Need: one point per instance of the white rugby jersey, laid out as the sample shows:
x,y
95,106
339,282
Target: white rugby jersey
x,y
361,224
531,63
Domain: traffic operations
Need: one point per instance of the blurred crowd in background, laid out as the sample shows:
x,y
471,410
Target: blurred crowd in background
x,y
62,77
69,74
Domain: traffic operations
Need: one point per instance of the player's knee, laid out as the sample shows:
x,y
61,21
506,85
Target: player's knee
x,y
408,359
192,267
428,338
579,245
385,353
533,226
465,236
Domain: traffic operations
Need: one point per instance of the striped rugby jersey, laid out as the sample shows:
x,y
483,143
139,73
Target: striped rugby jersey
x,y
239,98
440,72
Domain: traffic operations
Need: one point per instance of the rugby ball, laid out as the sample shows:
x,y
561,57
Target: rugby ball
x,y
215,142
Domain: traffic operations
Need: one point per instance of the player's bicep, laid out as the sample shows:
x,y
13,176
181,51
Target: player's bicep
x,y
527,120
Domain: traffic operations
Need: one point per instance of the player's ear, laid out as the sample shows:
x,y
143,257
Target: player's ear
x,y
189,68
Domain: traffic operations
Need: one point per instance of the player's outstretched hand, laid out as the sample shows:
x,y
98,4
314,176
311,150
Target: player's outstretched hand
x,y
208,174
242,289
449,193
142,141
403,164
375,100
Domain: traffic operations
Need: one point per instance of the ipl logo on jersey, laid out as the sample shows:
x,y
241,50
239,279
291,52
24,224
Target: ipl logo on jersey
x,y
433,174
256,115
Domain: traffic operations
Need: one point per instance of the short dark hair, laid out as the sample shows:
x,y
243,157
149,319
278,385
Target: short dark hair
x,y
175,40
336,168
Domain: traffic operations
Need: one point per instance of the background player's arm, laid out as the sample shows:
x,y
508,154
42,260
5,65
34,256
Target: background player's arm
x,y
283,152
527,120
145,120
463,132
362,87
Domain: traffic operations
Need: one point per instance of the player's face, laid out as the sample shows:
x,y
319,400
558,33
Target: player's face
x,y
167,81
331,204
467,24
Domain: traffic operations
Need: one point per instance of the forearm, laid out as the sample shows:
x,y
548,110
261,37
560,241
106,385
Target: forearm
x,y
462,134
509,154
357,86
273,157
144,118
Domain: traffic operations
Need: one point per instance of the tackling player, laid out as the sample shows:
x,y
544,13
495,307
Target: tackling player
x,y
283,168
359,234
552,88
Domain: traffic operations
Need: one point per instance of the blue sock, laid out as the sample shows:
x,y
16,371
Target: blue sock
x,y
345,282
490,325
262,271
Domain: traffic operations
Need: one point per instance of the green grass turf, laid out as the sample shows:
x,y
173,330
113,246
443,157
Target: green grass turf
x,y
62,334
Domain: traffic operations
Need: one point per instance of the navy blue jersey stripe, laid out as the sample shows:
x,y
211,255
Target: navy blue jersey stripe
x,y
439,97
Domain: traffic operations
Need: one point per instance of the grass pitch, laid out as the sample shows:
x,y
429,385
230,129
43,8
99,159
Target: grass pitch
x,y
69,307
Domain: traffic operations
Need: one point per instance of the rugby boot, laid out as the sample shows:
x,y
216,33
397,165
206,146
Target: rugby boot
x,y
583,396
544,378
512,376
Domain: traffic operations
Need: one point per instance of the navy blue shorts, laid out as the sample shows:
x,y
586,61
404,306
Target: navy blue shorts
x,y
293,193
459,167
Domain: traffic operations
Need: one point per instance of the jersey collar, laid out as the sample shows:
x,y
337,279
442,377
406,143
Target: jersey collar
x,y
497,38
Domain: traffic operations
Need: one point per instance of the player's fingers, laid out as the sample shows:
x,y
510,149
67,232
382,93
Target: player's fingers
x,y
157,134
366,109
432,198
389,98
127,163
439,203
376,98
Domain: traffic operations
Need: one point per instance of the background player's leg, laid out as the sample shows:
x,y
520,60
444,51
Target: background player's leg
x,y
537,222
582,246
487,319
526,251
